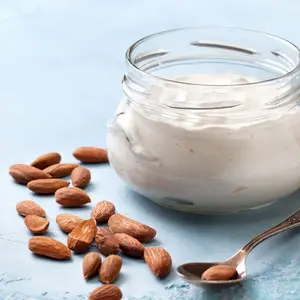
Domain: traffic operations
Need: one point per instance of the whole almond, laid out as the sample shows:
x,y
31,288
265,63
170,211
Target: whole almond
x,y
82,236
129,245
80,177
46,160
110,269
46,246
102,211
106,241
29,207
47,186
71,197
121,224
91,155
221,272
23,174
68,222
36,224
91,264
158,260
106,292
60,170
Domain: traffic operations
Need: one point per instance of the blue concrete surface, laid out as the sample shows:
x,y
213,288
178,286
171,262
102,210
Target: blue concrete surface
x,y
61,63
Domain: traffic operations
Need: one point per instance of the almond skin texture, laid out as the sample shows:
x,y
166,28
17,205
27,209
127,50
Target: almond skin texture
x,y
110,269
82,236
46,246
129,245
121,224
47,186
91,155
60,170
29,207
106,292
46,160
68,222
71,197
23,174
158,260
106,241
81,177
36,224
91,264
102,211
221,272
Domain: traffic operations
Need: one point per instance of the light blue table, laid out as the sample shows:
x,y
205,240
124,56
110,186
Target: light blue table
x,y
61,63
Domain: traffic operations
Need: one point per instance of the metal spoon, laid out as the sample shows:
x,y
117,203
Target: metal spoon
x,y
192,272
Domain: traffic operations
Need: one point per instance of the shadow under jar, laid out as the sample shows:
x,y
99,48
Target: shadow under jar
x,y
210,120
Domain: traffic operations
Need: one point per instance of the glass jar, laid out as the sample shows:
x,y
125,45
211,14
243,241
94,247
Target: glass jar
x,y
210,120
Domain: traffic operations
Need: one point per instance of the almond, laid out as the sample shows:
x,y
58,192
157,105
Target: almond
x,y
91,264
129,245
158,260
46,160
60,170
23,174
82,236
71,197
36,224
46,246
47,186
81,177
121,224
110,269
106,241
106,292
29,207
91,155
221,272
68,222
102,211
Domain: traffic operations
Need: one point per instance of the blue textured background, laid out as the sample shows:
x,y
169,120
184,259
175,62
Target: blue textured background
x,y
61,64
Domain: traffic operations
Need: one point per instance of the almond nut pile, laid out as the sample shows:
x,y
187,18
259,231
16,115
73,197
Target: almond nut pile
x,y
124,235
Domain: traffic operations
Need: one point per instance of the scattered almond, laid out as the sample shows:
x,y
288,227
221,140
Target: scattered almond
x,y
91,155
102,211
47,186
23,174
82,236
36,224
106,241
60,170
46,246
80,177
46,160
121,224
129,245
29,207
68,222
110,269
221,272
91,264
158,260
106,292
71,197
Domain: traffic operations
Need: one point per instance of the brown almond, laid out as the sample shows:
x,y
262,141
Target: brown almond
x,y
102,211
91,155
60,170
110,269
106,241
71,197
106,292
68,222
47,186
23,174
82,236
121,224
46,246
91,264
36,224
81,177
46,160
221,272
158,260
29,207
129,245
